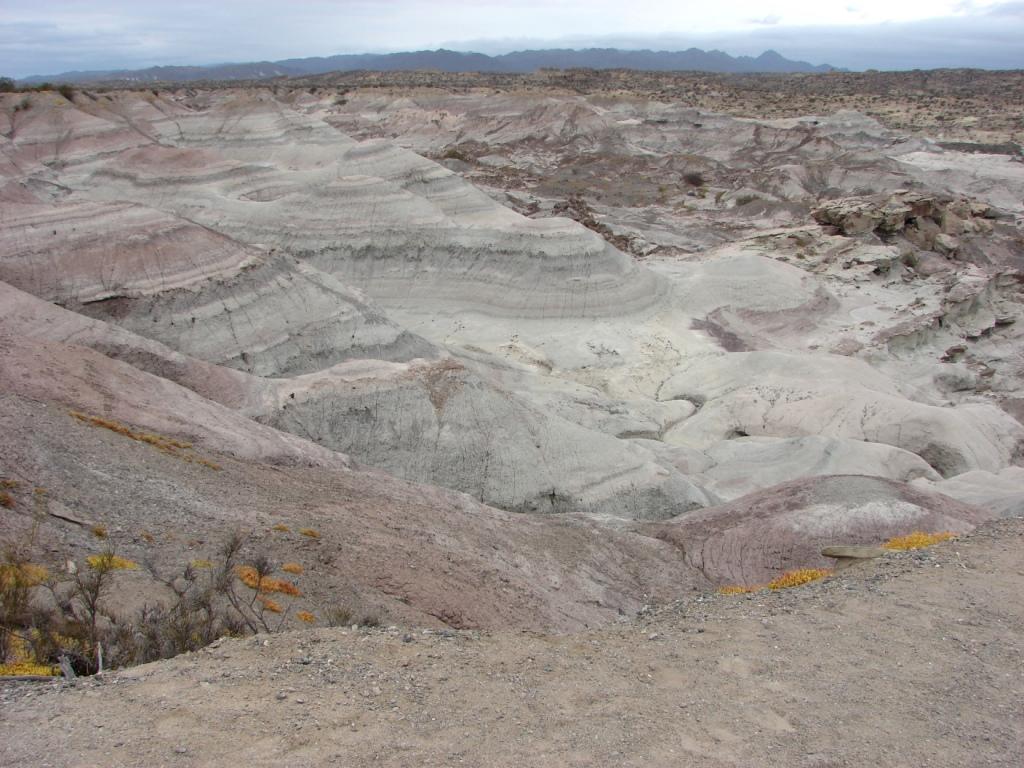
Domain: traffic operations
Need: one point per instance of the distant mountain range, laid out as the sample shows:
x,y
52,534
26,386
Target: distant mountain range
x,y
694,60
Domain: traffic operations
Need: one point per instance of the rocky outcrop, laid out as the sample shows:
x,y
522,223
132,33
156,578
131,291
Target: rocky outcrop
x,y
441,424
755,537
1000,492
428,421
745,464
199,292
931,223
394,224
784,395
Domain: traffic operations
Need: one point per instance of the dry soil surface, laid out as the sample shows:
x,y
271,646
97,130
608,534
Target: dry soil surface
x,y
912,660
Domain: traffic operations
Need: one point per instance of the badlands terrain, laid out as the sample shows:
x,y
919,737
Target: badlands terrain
x,y
498,356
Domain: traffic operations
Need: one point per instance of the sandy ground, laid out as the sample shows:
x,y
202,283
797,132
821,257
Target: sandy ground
x,y
913,660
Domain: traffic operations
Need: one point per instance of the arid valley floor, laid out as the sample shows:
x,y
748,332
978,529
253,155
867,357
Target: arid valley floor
x,y
527,369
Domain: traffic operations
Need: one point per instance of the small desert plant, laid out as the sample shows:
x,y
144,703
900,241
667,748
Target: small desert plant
x,y
454,153
99,531
282,528
18,577
292,568
67,91
694,178
108,561
343,616
787,580
370,620
310,532
339,616
738,589
6,499
178,448
798,578
306,616
21,660
256,577
269,604
918,540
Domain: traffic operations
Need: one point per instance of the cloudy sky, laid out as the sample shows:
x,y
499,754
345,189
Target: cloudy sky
x,y
47,37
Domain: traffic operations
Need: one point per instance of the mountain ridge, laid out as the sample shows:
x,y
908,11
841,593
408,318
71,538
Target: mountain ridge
x,y
692,59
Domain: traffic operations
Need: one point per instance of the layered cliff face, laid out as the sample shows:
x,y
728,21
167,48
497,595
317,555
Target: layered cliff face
x,y
739,304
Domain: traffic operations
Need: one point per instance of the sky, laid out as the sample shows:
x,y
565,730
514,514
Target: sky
x,y
48,37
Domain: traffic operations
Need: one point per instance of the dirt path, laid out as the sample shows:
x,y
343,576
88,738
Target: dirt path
x,y
915,660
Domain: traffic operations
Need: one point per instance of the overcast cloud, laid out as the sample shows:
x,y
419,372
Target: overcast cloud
x,y
40,37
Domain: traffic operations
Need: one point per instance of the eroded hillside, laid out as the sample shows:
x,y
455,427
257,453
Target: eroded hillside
x,y
514,356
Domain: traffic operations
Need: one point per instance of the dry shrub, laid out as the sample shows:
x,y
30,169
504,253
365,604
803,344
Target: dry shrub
x,y
6,499
454,153
78,626
292,568
108,561
270,605
310,532
254,579
22,573
282,528
22,661
99,531
168,445
918,540
798,578
694,178
18,578
339,616
737,589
